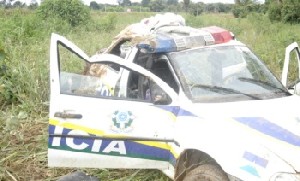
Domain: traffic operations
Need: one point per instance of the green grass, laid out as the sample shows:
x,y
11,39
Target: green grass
x,y
25,86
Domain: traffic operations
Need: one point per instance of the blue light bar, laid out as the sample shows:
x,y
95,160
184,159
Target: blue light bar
x,y
166,43
176,38
159,45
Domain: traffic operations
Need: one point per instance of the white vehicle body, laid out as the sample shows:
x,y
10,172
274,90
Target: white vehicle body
x,y
249,139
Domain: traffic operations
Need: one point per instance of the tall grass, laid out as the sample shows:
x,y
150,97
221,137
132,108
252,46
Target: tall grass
x,y
24,89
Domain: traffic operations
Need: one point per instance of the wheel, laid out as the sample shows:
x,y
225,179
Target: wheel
x,y
206,172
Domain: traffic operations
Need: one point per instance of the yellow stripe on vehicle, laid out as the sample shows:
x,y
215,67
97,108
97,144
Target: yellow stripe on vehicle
x,y
97,132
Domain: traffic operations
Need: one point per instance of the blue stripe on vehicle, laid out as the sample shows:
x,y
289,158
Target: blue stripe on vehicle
x,y
176,110
255,159
51,129
173,109
268,128
133,149
183,112
250,169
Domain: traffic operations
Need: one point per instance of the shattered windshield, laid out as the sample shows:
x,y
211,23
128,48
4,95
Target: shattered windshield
x,y
228,73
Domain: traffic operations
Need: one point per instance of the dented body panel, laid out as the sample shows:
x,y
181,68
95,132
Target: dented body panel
x,y
116,117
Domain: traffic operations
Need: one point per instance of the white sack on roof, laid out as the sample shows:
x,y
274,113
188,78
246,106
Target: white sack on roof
x,y
146,27
159,20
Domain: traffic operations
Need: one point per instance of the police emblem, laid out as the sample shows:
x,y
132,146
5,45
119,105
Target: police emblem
x,y
122,121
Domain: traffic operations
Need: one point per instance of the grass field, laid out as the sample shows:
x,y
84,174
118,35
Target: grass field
x,y
25,87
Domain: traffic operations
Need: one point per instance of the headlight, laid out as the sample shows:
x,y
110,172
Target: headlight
x,y
286,177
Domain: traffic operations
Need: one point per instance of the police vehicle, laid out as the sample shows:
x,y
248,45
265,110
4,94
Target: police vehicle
x,y
194,103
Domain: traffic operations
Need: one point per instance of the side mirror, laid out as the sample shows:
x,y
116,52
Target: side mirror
x,y
161,99
158,96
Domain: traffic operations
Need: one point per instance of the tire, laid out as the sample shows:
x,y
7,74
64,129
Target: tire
x,y
206,172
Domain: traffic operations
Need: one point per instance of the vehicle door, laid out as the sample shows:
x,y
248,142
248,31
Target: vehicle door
x,y
92,125
291,71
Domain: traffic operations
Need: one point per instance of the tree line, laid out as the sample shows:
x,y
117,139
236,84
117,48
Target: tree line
x,y
165,6
287,11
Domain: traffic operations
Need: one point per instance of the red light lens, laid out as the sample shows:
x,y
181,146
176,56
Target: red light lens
x,y
220,35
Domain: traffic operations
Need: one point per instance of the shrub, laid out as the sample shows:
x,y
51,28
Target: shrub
x,y
197,9
20,28
139,9
114,9
239,11
72,11
8,94
275,12
288,11
291,12
2,64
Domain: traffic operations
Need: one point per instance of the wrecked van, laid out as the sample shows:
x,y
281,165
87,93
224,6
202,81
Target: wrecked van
x,y
194,103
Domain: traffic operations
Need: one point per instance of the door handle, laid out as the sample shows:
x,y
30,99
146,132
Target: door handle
x,y
67,115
